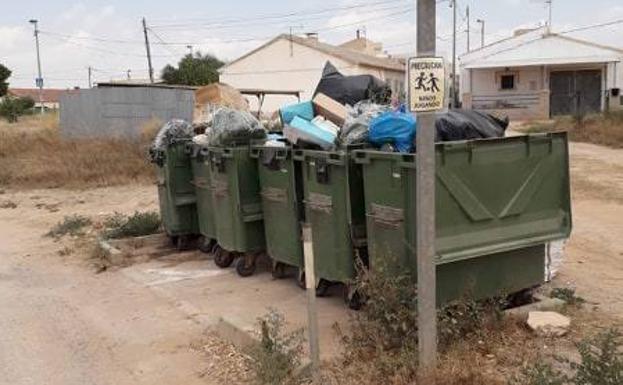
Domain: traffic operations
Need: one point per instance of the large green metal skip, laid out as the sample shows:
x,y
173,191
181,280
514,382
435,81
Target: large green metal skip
x,y
237,204
176,194
281,191
497,202
334,208
200,161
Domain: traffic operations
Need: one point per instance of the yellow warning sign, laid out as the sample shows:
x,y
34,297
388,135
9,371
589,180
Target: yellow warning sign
x,y
427,83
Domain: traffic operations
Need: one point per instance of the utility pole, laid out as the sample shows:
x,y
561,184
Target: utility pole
x,y
454,98
482,32
549,22
190,49
151,68
292,27
128,74
425,203
39,80
468,31
90,70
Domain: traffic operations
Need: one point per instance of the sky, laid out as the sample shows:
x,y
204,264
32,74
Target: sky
x,y
108,36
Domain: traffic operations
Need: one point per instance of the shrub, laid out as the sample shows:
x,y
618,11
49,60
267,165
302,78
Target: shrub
x,y
72,225
278,354
138,224
567,294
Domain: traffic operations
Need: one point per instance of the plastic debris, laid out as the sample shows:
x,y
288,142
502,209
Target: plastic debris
x,y
301,132
304,110
171,132
356,126
468,124
352,89
232,127
395,128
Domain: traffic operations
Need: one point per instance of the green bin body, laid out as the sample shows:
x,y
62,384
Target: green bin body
x,y
282,203
498,201
200,160
236,199
176,193
334,208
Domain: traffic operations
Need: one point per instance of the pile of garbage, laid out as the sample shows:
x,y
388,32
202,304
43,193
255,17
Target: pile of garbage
x,y
345,111
356,110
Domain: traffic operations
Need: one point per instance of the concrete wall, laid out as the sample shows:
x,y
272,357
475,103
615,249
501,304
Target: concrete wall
x,y
273,67
121,111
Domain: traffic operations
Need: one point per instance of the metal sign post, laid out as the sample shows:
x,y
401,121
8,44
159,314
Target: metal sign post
x,y
426,78
312,317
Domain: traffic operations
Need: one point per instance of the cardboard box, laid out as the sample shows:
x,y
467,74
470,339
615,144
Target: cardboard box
x,y
331,110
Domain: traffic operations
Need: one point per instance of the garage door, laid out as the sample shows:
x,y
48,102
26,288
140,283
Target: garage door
x,y
574,92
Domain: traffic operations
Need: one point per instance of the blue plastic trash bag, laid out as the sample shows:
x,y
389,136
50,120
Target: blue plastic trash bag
x,y
304,110
396,128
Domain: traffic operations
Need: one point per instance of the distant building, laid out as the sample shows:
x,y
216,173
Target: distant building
x,y
122,109
295,63
536,74
49,96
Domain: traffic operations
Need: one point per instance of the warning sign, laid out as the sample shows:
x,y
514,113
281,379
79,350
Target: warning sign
x,y
427,83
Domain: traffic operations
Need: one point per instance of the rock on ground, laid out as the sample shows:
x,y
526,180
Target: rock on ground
x,y
548,323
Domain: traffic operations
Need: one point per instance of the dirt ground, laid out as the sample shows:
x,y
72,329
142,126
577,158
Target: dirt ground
x,y
63,324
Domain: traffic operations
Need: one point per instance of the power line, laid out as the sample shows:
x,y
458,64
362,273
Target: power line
x,y
222,21
593,26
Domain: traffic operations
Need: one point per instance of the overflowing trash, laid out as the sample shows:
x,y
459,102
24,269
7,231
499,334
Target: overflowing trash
x,y
171,132
345,111
234,127
468,124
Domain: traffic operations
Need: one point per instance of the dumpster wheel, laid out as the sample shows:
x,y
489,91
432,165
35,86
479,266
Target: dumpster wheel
x,y
278,270
322,289
300,279
183,242
245,265
353,297
222,257
206,245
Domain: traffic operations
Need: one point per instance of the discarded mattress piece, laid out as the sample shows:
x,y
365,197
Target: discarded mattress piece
x,y
301,132
232,127
352,89
468,124
395,128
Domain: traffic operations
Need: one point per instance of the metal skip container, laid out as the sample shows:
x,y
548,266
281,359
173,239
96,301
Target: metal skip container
x,y
498,202
237,207
282,206
334,208
176,193
200,162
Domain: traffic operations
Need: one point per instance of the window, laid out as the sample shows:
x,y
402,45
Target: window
x,y
507,82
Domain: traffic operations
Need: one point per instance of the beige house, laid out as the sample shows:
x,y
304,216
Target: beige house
x,y
295,63
537,74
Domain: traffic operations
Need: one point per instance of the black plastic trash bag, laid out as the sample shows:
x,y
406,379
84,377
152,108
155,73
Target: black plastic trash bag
x,y
352,89
468,124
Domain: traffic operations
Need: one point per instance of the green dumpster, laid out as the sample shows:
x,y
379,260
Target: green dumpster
x,y
282,206
498,201
237,207
200,161
334,208
176,194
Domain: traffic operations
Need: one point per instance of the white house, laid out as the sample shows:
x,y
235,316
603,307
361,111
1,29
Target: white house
x,y
295,63
537,74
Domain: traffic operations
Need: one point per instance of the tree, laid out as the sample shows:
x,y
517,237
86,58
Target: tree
x,y
4,75
197,70
11,108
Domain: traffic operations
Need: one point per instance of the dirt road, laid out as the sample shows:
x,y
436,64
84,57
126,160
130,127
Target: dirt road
x,y
63,324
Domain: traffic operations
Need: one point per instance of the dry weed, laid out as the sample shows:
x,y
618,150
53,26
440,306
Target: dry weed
x,y
33,154
605,129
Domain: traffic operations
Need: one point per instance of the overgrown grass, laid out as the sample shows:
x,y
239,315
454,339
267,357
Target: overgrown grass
x,y
70,225
600,363
278,355
135,225
381,345
568,295
33,154
604,129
